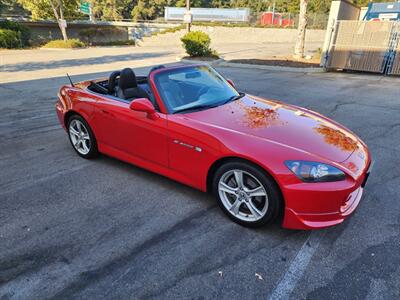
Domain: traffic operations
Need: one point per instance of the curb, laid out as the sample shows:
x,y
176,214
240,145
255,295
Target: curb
x,y
62,49
271,68
223,63
192,61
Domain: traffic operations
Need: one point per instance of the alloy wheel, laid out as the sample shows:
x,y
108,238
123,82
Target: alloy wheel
x,y
243,195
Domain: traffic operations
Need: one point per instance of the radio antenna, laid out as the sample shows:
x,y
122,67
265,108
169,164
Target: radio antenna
x,y
72,84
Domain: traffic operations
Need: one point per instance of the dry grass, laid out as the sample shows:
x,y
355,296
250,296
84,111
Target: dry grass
x,y
281,61
69,44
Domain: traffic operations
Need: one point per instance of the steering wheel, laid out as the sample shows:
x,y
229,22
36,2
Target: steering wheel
x,y
202,91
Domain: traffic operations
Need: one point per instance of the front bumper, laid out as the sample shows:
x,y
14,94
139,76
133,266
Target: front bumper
x,y
330,205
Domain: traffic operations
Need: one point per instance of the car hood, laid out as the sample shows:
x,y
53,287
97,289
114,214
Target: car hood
x,y
286,124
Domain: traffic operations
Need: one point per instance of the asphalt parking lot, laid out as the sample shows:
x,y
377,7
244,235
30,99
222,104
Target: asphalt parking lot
x,y
103,229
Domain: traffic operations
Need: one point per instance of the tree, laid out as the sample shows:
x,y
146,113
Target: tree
x,y
50,9
3,4
127,7
41,9
221,3
11,7
152,9
255,6
366,2
143,11
112,9
319,6
58,10
290,6
301,30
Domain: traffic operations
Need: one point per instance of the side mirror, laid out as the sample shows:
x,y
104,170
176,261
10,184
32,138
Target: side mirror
x,y
230,81
144,105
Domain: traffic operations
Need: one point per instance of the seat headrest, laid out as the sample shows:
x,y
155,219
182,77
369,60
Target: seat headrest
x,y
111,82
127,79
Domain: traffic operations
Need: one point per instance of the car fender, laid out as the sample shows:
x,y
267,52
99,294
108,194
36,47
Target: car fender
x,y
76,100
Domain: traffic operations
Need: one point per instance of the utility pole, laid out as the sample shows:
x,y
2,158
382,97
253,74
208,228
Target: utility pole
x,y
273,14
91,15
188,12
301,30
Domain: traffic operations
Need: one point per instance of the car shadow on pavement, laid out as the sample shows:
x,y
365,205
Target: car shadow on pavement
x,y
169,184
56,64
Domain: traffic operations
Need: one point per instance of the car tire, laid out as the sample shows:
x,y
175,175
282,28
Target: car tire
x,y
254,202
81,137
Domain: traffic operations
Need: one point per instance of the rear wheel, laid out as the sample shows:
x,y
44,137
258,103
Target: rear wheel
x,y
81,137
246,194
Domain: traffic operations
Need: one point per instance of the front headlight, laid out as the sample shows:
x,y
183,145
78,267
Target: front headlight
x,y
309,171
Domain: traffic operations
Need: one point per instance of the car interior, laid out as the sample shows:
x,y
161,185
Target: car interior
x,y
178,88
125,85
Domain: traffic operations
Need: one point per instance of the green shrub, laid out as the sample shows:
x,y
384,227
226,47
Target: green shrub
x,y
9,39
197,43
71,43
22,31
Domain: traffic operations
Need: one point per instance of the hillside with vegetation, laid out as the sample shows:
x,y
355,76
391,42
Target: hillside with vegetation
x,y
153,9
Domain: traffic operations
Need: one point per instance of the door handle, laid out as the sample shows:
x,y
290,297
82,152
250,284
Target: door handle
x,y
106,112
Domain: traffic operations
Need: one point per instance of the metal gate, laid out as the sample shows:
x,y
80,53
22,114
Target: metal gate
x,y
394,60
365,46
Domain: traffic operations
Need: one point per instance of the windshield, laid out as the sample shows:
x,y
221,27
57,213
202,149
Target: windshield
x,y
193,88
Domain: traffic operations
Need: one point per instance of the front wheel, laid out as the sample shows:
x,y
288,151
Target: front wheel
x,y
246,194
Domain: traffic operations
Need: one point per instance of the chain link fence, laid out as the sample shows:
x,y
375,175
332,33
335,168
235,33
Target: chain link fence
x,y
288,20
394,60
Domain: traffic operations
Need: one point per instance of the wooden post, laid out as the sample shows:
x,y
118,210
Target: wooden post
x,y
188,9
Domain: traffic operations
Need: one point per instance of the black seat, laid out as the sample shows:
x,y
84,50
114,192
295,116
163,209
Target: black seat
x,y
128,88
111,82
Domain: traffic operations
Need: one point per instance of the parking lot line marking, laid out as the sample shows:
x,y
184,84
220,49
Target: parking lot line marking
x,y
297,267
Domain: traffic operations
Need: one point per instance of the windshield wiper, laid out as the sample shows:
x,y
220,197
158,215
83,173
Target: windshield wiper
x,y
206,106
234,98
196,107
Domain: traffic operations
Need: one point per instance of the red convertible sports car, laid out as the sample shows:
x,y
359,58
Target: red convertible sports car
x,y
262,159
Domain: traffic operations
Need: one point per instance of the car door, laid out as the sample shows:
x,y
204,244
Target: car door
x,y
191,150
132,132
